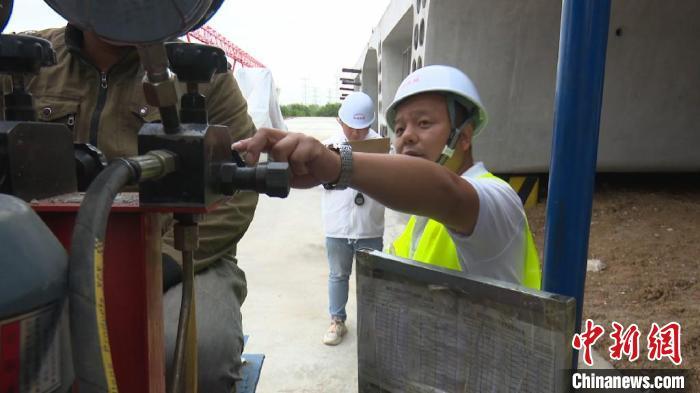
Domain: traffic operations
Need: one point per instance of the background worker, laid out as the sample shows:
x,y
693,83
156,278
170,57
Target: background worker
x,y
465,219
96,90
351,219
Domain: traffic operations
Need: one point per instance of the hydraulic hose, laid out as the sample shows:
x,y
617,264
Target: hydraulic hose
x,y
184,378
185,368
88,319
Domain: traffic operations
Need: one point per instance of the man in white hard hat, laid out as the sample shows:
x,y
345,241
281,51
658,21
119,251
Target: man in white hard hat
x,y
351,219
465,218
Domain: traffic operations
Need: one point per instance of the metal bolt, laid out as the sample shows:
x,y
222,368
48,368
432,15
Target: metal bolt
x,y
143,110
46,112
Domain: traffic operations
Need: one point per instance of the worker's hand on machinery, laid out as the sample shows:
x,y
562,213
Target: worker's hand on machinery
x,y
310,161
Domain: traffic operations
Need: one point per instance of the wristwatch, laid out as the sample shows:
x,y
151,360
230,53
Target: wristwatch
x,y
345,152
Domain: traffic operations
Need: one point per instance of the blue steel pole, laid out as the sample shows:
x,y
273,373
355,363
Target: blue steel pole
x,y
578,100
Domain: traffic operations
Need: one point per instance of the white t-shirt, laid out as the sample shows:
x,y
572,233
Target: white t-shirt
x,y
496,247
342,217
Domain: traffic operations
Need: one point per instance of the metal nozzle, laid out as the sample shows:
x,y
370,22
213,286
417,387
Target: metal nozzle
x,y
271,178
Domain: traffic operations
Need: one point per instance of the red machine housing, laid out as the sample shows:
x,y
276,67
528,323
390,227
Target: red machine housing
x,y
132,283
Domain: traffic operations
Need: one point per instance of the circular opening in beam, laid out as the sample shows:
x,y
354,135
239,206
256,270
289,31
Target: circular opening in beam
x,y
422,31
415,37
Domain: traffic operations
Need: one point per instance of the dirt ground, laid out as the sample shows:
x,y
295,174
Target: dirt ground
x,y
646,229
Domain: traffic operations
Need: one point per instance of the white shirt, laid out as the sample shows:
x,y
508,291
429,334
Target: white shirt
x,y
496,247
342,218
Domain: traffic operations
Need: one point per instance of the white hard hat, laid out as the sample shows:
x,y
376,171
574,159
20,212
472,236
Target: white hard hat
x,y
357,110
440,79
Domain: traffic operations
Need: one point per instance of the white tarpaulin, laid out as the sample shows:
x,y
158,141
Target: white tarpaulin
x,y
260,91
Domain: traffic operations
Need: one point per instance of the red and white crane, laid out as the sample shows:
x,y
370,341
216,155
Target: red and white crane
x,y
208,35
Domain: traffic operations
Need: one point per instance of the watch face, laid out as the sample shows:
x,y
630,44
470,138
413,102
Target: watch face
x,y
359,199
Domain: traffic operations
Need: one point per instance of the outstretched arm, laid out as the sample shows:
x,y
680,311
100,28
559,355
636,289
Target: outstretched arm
x,y
408,184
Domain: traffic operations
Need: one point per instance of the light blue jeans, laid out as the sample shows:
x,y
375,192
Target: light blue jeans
x,y
341,252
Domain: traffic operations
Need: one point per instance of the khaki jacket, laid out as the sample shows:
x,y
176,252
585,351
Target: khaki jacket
x,y
108,109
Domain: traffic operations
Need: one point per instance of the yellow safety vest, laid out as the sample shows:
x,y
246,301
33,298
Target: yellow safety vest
x,y
436,247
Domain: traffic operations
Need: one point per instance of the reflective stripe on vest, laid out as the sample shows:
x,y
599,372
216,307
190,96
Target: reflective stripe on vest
x,y
436,247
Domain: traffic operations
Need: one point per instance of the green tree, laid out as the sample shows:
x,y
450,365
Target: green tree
x,y
313,110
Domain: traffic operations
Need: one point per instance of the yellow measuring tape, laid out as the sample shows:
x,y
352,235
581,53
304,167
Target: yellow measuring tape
x,y
101,314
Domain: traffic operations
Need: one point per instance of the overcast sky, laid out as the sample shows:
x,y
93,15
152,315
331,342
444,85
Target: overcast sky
x,y
305,43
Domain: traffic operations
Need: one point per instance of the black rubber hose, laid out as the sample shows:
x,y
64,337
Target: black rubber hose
x,y
185,328
91,351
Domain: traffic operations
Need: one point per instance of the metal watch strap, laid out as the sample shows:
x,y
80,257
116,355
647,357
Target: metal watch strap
x,y
345,152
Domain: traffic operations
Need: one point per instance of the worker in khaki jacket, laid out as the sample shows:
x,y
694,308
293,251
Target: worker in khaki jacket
x,y
96,90
464,218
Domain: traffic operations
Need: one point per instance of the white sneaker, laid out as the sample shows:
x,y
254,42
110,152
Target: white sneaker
x,y
335,332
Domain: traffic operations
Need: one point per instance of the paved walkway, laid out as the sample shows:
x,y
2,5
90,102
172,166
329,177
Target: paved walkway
x,y
283,255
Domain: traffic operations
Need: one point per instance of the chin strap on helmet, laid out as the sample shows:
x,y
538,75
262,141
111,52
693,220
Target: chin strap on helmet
x,y
452,139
